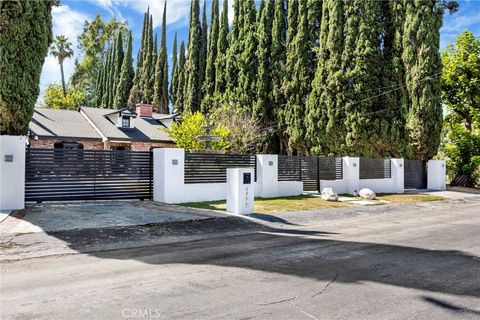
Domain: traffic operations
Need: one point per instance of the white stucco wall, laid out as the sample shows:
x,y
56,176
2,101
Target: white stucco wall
x,y
395,184
12,174
169,185
339,186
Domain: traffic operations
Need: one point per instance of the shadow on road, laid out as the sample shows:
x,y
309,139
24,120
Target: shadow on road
x,y
309,254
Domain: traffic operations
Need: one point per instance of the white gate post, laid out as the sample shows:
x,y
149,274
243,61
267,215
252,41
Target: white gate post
x,y
398,175
351,172
168,175
267,175
12,172
436,175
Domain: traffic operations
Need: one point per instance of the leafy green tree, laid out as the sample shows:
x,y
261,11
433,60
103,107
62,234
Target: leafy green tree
x,y
96,37
54,98
125,80
25,36
61,49
186,133
160,95
222,47
146,83
461,96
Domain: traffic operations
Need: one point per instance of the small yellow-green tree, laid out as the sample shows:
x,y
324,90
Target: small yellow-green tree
x,y
186,133
54,98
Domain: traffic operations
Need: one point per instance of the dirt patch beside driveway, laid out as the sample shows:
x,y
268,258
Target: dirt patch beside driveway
x,y
96,215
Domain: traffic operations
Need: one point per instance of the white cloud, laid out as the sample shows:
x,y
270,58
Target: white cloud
x,y
177,10
458,23
70,24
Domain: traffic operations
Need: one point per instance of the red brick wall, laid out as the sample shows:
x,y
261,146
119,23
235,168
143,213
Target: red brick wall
x,y
145,146
99,145
49,143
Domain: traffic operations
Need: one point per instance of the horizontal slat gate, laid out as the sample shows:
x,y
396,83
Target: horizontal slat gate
x,y
203,167
63,174
415,174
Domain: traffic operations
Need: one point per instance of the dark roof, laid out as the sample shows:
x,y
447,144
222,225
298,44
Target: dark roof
x,y
123,111
57,123
145,129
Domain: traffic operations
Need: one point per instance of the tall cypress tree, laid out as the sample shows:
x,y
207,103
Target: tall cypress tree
x,y
118,61
136,94
324,132
180,76
278,56
203,47
222,46
262,106
25,36
234,48
209,84
146,83
192,91
422,69
363,119
126,77
160,95
244,92
297,86
174,81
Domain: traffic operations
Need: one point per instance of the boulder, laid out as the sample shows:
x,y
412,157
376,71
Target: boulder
x,y
329,195
366,193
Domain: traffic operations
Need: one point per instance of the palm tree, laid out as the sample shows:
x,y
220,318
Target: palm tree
x,y
61,49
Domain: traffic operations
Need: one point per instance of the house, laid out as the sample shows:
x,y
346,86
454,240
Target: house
x,y
101,129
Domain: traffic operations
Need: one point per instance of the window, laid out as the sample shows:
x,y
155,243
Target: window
x,y
125,122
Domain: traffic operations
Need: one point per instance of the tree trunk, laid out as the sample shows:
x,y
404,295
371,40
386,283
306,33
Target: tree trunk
x,y
63,80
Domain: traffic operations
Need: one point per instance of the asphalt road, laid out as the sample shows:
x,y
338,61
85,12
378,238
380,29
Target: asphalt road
x,y
420,263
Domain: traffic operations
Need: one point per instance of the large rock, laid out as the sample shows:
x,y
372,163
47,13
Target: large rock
x,y
329,195
366,193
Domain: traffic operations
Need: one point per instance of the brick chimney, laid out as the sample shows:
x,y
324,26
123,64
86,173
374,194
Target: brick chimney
x,y
144,109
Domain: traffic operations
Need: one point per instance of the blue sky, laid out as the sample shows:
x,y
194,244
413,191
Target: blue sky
x,y
68,20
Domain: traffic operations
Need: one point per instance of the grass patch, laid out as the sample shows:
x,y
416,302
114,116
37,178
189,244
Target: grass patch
x,y
408,198
304,202
275,205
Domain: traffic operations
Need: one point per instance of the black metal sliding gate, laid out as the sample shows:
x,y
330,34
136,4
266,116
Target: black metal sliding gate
x,y
415,174
66,174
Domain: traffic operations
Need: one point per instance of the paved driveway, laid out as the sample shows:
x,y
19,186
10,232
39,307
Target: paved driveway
x,y
99,214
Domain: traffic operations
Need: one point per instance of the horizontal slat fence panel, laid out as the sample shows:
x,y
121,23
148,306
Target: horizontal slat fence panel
x,y
289,168
375,168
212,167
309,170
330,168
63,174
